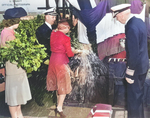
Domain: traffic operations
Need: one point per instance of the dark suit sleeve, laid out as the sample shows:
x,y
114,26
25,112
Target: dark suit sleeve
x,y
43,34
132,48
43,37
38,35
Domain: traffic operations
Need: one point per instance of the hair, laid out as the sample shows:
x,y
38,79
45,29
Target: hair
x,y
63,23
10,22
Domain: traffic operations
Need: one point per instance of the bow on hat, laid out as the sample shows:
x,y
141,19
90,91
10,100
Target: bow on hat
x,y
14,13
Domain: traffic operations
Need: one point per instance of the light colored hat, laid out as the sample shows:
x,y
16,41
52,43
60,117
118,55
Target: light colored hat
x,y
51,11
119,8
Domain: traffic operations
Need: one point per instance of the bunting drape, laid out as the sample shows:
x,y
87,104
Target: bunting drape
x,y
96,23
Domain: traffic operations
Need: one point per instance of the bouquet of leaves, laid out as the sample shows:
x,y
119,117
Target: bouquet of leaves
x,y
25,50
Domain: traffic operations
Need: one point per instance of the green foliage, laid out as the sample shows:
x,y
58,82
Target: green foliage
x,y
25,49
1,26
74,40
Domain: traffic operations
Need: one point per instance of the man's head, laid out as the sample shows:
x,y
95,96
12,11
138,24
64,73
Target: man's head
x,y
121,12
50,15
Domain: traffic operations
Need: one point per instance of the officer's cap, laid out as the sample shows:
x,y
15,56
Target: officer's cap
x,y
119,8
51,11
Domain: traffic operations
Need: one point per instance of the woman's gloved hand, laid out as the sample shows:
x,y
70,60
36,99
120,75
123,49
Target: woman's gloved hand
x,y
46,62
76,51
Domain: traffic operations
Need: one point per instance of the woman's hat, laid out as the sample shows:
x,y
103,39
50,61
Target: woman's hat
x,y
14,13
119,8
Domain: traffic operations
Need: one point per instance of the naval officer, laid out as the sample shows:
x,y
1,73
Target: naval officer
x,y
43,36
44,31
137,58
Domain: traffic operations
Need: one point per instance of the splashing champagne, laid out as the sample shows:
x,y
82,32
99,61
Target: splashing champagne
x,y
87,83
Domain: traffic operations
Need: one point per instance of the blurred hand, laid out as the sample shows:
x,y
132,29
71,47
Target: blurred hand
x,y
74,21
122,43
130,81
78,51
73,49
46,62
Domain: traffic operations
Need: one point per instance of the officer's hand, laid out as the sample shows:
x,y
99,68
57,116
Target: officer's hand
x,y
130,81
74,20
46,62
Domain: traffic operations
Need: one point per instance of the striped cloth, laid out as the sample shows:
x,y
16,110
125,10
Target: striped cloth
x,y
96,22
